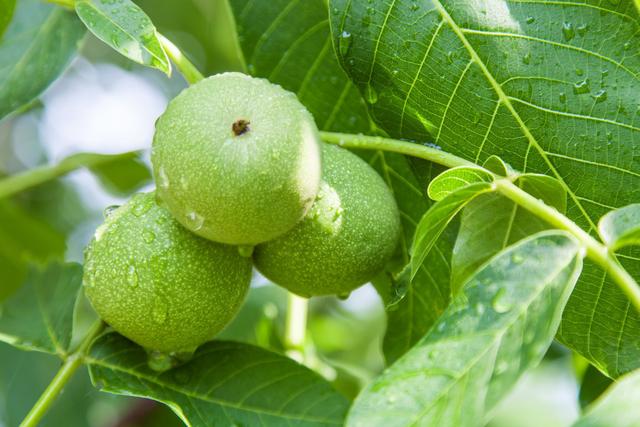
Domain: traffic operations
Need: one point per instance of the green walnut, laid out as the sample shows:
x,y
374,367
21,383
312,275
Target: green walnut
x,y
159,285
236,159
346,238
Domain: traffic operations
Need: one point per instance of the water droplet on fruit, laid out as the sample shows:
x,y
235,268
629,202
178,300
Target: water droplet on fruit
x,y
344,43
148,235
194,221
109,210
159,362
567,31
499,302
245,250
132,276
142,208
371,94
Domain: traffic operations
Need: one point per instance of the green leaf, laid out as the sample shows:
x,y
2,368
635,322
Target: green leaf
x,y
453,179
24,239
123,175
499,326
289,43
226,383
126,28
498,166
619,406
37,47
593,384
39,316
438,217
532,83
621,227
6,13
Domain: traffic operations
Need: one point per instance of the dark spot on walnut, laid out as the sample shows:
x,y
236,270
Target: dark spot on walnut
x,y
240,127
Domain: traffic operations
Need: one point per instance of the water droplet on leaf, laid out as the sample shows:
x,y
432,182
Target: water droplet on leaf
x,y
567,31
344,43
581,87
371,94
499,302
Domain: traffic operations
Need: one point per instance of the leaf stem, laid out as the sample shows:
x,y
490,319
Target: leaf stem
x,y
595,250
296,326
71,364
32,177
186,67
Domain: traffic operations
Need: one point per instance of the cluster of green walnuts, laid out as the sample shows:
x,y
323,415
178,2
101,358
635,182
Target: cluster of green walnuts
x,y
242,179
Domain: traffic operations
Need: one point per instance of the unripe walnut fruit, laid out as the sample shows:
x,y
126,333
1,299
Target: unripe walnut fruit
x,y
236,159
346,238
158,284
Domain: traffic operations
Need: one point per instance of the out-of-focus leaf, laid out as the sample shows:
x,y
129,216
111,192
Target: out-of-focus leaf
x,y
225,383
6,13
593,384
36,48
23,239
123,175
438,217
126,28
500,325
40,315
455,178
621,227
619,406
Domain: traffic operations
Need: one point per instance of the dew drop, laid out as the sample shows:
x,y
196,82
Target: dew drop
x,y
600,96
581,87
517,258
159,362
344,296
479,307
142,208
579,72
194,221
245,250
451,57
148,235
582,29
527,59
563,97
498,302
163,179
414,7
371,94
344,43
132,276
567,31
109,210
530,20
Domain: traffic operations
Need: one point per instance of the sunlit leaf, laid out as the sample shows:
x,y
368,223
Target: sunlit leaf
x,y
530,82
40,315
37,46
126,28
619,406
225,383
500,325
621,227
456,178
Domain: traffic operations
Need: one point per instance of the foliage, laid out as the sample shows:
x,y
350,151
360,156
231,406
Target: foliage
x,y
508,135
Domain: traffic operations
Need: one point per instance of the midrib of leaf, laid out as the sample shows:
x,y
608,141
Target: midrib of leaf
x,y
42,30
274,24
204,398
499,335
131,36
506,101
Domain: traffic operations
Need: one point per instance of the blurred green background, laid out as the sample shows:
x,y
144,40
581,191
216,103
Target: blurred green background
x,y
106,104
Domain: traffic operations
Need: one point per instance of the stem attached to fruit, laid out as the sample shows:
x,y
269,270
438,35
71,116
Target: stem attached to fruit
x,y
595,250
188,70
71,364
296,326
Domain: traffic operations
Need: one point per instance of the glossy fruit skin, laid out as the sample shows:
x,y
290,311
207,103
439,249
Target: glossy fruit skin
x,y
159,285
238,189
346,238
